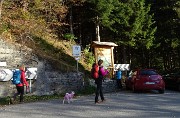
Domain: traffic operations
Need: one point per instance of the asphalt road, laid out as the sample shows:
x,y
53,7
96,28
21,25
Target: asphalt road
x,y
123,104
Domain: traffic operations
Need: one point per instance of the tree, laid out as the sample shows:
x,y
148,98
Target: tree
x,y
167,16
129,20
70,4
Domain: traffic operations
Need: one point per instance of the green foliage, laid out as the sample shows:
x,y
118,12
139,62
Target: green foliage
x,y
34,98
4,27
89,57
31,98
175,43
130,20
167,16
4,101
26,15
69,36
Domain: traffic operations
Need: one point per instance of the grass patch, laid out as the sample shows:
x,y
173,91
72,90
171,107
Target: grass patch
x,y
34,98
29,98
4,101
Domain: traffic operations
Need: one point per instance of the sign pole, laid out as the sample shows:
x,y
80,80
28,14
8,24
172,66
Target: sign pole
x,y
30,85
77,58
77,65
77,53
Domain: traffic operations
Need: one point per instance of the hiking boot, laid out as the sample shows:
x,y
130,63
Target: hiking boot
x,y
103,100
97,102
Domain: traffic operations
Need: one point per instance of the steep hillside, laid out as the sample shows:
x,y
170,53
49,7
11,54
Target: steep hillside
x,y
59,52
30,27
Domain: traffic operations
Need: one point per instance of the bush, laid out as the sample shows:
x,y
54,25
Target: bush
x,y
69,36
89,57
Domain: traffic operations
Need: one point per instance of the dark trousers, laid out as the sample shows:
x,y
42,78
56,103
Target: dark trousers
x,y
99,91
119,83
20,91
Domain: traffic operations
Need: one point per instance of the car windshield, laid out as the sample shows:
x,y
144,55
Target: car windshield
x,y
147,72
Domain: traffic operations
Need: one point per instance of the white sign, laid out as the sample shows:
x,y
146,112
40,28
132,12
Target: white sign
x,y
76,51
7,74
31,73
2,63
122,67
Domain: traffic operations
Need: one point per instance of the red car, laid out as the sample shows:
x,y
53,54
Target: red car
x,y
145,79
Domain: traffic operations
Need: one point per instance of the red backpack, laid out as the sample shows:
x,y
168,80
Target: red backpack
x,y
95,71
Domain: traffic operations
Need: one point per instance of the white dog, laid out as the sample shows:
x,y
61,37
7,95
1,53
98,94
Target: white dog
x,y
68,97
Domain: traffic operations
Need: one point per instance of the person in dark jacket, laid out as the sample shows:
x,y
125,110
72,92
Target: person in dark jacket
x,y
118,78
20,86
102,73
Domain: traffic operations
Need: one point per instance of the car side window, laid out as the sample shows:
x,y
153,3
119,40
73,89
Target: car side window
x,y
147,72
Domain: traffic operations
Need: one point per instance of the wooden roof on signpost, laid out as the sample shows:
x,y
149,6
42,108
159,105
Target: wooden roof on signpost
x,y
103,44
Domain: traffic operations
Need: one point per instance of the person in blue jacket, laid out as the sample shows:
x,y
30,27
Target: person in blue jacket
x,y
118,78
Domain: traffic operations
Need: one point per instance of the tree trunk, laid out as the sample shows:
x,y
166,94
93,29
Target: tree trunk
x,y
97,29
71,21
124,55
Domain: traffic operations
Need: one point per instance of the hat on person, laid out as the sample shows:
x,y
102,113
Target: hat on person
x,y
100,61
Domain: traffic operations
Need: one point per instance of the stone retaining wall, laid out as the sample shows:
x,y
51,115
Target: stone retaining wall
x,y
108,85
49,81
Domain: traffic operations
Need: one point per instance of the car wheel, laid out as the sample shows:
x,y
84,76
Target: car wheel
x,y
161,91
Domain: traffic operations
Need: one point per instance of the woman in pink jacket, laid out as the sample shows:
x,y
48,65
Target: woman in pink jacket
x,y
102,73
20,86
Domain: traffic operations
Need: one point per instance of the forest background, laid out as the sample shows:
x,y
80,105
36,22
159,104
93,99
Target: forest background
x,y
147,31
